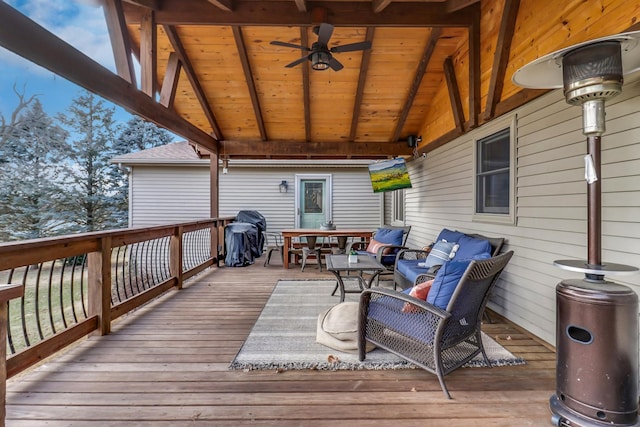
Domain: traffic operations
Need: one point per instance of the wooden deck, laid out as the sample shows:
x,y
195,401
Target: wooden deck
x,y
167,365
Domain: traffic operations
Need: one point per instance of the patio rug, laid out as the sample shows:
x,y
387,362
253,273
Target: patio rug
x,y
284,336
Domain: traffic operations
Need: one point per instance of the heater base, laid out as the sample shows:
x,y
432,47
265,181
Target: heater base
x,y
565,417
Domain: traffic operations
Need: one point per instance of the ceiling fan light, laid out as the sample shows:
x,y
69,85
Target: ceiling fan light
x,y
320,60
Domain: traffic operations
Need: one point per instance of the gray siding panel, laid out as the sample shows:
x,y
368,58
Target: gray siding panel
x,y
161,195
551,201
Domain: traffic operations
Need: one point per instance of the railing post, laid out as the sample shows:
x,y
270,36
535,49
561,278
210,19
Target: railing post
x,y
215,238
99,265
7,292
175,255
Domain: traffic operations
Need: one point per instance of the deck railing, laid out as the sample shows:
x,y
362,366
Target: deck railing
x,y
76,285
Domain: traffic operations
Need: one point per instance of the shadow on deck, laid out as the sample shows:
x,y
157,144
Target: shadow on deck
x,y
166,364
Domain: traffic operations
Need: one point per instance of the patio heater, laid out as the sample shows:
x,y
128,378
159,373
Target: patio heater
x,y
597,320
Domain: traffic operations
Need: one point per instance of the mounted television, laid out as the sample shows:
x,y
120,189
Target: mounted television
x,y
389,175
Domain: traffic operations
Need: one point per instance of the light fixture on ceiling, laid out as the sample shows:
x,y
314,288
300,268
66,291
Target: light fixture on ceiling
x,y
320,59
225,166
590,73
283,187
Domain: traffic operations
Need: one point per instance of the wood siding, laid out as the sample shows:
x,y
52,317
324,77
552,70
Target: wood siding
x,y
551,201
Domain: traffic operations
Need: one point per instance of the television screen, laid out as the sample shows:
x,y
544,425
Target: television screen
x,y
389,175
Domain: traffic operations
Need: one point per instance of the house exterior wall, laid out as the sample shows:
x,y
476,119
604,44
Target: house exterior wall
x,y
170,193
354,203
551,201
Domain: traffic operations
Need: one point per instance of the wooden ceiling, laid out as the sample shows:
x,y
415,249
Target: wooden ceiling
x,y
212,62
208,72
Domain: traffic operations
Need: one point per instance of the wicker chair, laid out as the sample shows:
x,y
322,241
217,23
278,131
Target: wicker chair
x,y
436,340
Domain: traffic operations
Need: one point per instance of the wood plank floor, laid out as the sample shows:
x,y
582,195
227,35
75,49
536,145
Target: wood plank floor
x,y
167,365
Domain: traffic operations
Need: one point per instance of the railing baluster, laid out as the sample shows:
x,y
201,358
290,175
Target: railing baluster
x,y
71,289
25,334
62,315
82,284
36,302
12,348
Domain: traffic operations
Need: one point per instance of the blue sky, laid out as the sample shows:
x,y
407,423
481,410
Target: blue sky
x,y
78,22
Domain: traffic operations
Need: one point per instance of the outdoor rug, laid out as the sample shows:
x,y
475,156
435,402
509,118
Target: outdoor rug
x,y
284,336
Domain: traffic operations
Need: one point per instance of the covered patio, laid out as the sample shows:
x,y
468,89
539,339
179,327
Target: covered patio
x,y
167,364
160,356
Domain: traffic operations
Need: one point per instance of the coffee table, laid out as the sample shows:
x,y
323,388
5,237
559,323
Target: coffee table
x,y
340,267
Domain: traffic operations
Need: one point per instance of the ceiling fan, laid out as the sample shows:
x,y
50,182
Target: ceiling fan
x,y
319,54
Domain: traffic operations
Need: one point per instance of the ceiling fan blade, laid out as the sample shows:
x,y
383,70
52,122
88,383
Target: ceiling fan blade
x,y
296,62
324,33
352,47
285,44
335,64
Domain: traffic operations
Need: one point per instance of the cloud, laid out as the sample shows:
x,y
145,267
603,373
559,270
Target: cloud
x,y
80,23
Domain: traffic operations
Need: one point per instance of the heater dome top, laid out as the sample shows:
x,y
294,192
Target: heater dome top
x,y
546,71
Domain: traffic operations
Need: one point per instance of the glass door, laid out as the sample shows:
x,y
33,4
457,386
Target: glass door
x,y
313,200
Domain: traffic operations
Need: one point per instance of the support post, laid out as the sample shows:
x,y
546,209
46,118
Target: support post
x,y
7,292
99,265
214,194
175,255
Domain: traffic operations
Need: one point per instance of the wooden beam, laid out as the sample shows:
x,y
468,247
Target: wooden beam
x,y
248,75
178,47
454,94
380,5
120,42
148,54
25,38
225,5
149,4
501,56
362,79
170,83
301,5
286,13
474,70
306,90
294,149
417,79
455,5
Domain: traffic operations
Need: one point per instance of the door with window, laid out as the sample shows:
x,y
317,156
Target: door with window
x,y
313,200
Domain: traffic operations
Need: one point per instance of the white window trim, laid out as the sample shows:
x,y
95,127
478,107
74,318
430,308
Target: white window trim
x,y
485,131
395,195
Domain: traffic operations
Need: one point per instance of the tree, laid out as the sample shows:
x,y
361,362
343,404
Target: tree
x,y
32,195
90,188
137,135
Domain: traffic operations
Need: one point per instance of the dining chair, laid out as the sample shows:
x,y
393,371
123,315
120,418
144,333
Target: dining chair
x,y
311,248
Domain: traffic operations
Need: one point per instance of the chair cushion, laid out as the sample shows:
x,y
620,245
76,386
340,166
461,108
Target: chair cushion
x,y
445,282
410,268
338,328
449,235
390,236
389,312
471,247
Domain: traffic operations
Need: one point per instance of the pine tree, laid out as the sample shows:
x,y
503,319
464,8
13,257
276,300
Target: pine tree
x,y
32,196
90,187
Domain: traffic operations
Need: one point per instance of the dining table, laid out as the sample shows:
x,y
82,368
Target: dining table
x,y
341,234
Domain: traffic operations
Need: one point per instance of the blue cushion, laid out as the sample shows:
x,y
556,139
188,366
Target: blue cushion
x,y
410,269
445,282
389,259
389,311
449,235
471,247
390,236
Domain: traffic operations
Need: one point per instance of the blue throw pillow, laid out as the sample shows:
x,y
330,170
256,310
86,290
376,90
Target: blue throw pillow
x,y
440,252
471,247
445,282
